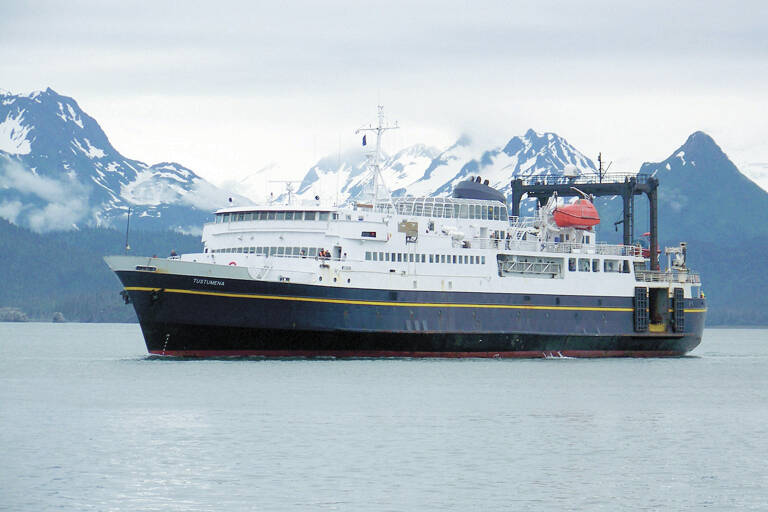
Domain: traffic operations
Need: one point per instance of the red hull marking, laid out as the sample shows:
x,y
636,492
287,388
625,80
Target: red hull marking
x,y
529,354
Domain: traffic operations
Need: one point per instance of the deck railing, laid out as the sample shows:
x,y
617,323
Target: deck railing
x,y
614,177
673,276
551,247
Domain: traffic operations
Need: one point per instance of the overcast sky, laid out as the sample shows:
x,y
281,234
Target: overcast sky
x,y
226,88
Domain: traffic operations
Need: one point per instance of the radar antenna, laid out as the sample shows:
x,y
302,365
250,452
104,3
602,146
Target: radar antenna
x,y
374,157
288,187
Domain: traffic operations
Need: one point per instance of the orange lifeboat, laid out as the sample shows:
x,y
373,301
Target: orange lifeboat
x,y
581,215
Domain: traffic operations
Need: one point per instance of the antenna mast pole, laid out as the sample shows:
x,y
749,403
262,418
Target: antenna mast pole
x,y
375,165
127,227
600,167
288,187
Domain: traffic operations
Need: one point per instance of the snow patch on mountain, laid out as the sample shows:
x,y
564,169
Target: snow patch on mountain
x,y
13,134
443,167
89,150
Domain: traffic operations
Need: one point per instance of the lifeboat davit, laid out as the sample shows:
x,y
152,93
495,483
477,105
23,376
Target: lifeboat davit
x,y
581,215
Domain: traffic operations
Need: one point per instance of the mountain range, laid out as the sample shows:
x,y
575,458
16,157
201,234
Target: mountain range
x,y
58,171
421,170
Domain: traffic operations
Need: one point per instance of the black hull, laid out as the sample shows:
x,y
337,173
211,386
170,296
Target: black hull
x,y
180,316
207,341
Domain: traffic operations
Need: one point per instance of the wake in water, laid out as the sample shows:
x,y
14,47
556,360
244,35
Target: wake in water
x,y
556,355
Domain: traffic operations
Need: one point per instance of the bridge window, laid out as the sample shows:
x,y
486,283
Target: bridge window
x,y
368,256
611,266
323,216
583,265
595,265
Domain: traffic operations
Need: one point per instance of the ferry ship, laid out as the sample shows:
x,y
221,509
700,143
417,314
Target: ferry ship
x,y
415,277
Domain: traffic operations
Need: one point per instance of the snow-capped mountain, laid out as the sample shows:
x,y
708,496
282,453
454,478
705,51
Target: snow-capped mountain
x,y
702,196
346,176
59,171
424,171
702,193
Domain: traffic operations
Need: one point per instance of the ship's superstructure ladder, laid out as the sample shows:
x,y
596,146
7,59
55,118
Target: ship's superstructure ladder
x,y
641,309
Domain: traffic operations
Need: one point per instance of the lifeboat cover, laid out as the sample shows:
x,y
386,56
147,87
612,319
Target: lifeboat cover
x,y
581,214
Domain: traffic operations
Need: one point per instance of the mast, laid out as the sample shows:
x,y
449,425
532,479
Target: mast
x,y
374,160
288,188
127,229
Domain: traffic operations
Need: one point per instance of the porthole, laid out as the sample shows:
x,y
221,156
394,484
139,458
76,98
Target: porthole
x,y
334,279
349,281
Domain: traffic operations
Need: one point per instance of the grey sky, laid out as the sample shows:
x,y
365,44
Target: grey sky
x,y
228,87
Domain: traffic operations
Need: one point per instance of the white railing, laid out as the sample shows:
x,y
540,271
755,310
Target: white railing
x,y
674,276
551,247
522,222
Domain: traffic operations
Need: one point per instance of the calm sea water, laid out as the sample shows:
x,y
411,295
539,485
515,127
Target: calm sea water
x,y
89,422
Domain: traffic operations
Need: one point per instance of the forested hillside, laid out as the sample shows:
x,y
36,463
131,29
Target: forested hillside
x,y
64,271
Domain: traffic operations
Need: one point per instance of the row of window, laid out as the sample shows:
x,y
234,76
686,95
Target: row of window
x,y
587,265
453,211
271,251
448,211
270,215
457,259
574,264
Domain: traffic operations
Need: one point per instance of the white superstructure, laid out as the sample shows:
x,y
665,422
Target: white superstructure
x,y
428,243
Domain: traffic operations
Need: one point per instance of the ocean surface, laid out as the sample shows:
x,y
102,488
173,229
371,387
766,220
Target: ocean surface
x,y
89,422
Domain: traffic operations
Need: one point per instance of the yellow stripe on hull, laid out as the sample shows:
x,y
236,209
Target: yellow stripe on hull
x,y
382,303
